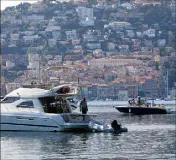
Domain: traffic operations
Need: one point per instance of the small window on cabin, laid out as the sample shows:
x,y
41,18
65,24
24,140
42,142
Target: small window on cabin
x,y
26,104
10,99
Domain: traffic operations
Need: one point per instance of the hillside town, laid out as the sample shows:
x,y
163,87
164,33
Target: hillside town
x,y
114,49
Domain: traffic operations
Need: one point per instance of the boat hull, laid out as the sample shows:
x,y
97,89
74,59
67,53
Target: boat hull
x,y
41,123
28,122
142,110
34,128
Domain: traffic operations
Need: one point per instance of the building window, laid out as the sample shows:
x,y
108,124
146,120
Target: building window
x,y
26,104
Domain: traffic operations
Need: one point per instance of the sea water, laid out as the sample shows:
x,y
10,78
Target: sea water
x,y
148,137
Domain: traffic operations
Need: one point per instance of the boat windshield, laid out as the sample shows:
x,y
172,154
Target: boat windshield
x,y
10,99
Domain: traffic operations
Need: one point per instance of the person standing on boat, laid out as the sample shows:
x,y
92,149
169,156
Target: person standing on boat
x,y
139,100
83,106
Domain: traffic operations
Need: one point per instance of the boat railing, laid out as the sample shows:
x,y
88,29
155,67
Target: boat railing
x,y
150,105
140,105
161,106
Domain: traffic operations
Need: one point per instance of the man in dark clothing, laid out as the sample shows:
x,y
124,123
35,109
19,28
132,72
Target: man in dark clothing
x,y
139,100
116,126
83,106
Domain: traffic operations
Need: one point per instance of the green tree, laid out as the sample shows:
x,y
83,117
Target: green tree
x,y
166,65
157,66
156,14
162,52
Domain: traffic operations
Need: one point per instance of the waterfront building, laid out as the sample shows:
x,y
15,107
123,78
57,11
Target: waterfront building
x,y
120,25
86,16
122,95
12,86
33,17
150,88
132,90
173,6
84,13
71,35
113,62
37,7
9,64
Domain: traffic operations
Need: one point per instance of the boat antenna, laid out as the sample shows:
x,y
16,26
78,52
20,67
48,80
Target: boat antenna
x,y
78,80
18,94
167,84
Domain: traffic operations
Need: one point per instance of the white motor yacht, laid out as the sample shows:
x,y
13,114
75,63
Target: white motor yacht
x,y
35,109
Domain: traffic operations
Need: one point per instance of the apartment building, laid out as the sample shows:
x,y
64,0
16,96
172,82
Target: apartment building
x,y
113,62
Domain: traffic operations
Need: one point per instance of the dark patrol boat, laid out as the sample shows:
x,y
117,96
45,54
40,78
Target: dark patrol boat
x,y
141,107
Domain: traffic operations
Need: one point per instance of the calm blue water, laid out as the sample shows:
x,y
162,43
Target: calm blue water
x,y
148,137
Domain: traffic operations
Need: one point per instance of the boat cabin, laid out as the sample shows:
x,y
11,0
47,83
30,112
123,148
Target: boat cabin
x,y
39,100
55,105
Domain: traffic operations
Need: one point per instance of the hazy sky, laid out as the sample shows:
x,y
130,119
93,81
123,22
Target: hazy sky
x,y
7,3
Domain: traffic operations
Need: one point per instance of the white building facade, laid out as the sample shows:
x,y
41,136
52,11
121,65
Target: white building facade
x,y
113,62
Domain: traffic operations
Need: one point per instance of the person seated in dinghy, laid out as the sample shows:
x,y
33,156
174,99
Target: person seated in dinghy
x,y
131,102
116,126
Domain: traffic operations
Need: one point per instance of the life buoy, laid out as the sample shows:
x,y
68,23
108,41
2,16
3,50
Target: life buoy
x,y
65,90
